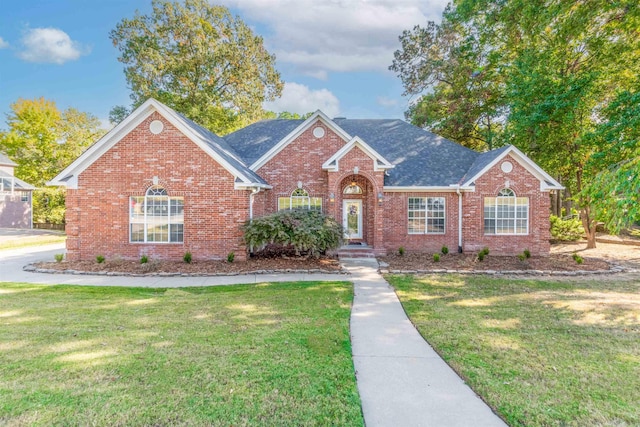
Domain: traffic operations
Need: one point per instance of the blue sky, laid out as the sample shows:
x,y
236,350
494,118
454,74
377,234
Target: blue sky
x,y
332,55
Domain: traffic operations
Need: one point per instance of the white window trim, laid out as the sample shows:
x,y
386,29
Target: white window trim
x,y
515,219
145,222
426,216
291,197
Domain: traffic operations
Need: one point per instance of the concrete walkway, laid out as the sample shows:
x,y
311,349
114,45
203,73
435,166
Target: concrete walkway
x,y
402,381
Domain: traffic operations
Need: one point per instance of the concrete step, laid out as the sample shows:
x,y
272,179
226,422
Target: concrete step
x,y
356,253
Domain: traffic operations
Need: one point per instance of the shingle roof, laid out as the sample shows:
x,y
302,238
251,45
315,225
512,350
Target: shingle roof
x,y
482,161
18,183
4,160
253,141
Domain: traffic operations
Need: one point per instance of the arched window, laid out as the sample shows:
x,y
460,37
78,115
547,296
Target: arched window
x,y
156,217
506,213
353,188
300,199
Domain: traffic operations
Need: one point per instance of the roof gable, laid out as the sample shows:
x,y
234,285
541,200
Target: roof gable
x,y
289,138
379,162
486,161
210,143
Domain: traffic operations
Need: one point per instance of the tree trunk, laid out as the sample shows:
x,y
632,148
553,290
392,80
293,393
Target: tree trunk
x,y
589,225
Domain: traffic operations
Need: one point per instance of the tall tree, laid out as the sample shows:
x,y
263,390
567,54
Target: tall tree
x,y
200,60
42,140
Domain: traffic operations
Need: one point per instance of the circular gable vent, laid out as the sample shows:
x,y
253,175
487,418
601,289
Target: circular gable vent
x,y
318,132
156,126
506,167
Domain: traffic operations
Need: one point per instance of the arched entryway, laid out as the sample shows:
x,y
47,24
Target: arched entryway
x,y
357,209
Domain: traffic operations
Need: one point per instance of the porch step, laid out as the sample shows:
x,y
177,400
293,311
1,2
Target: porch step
x,y
356,252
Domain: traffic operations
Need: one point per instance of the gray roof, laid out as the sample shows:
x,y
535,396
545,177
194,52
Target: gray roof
x,y
6,161
220,147
482,161
421,158
253,141
17,182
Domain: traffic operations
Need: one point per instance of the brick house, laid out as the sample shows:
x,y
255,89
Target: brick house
x,y
15,197
160,185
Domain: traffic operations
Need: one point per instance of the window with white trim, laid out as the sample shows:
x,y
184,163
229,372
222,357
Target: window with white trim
x,y
426,215
506,213
156,217
300,199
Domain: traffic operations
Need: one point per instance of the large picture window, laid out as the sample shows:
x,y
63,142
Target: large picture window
x,y
300,200
156,217
426,215
506,213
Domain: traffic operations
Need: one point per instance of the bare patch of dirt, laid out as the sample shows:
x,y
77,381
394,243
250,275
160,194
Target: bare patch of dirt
x,y
623,254
197,267
554,262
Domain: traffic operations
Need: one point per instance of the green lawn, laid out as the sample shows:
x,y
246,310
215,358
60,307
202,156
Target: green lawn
x,y
541,353
13,243
267,354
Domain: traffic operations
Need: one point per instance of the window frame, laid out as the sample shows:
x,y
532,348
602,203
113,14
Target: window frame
x,y
426,215
149,219
506,208
299,195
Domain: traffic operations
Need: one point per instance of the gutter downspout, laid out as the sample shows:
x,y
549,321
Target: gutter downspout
x,y
459,219
255,191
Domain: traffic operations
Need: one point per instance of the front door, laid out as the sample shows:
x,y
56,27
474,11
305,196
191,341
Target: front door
x,y
352,219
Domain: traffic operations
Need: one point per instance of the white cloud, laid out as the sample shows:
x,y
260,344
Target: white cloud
x,y
386,102
298,98
337,35
50,45
3,44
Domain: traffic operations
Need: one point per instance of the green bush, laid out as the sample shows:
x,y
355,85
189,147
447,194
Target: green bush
x,y
49,205
401,251
187,257
144,259
522,257
59,257
306,231
436,257
566,230
481,256
444,250
527,253
485,250
577,258
231,256
100,259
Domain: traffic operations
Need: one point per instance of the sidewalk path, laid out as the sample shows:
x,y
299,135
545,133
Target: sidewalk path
x,y
402,381
12,261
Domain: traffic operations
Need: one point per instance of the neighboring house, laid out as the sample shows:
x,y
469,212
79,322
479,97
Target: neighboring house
x,y
159,184
15,197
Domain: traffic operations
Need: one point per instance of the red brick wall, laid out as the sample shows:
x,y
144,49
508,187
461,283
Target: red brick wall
x,y
524,184
98,211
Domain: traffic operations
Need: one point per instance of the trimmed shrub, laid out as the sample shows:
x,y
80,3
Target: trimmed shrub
x,y
577,258
100,259
144,259
566,230
481,256
58,257
187,257
527,253
444,250
401,251
309,232
436,257
522,257
231,256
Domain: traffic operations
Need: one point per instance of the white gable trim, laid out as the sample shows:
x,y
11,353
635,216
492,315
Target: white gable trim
x,y
332,163
69,176
527,163
317,116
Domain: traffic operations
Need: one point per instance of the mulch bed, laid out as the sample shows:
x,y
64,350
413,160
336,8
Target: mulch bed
x,y
252,265
468,262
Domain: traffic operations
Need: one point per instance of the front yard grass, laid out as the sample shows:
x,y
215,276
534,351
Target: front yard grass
x,y
14,243
266,354
539,352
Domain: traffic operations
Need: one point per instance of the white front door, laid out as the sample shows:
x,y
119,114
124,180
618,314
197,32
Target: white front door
x,y
352,218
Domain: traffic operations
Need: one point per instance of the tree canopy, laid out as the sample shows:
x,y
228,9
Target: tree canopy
x,y
200,60
536,74
43,140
